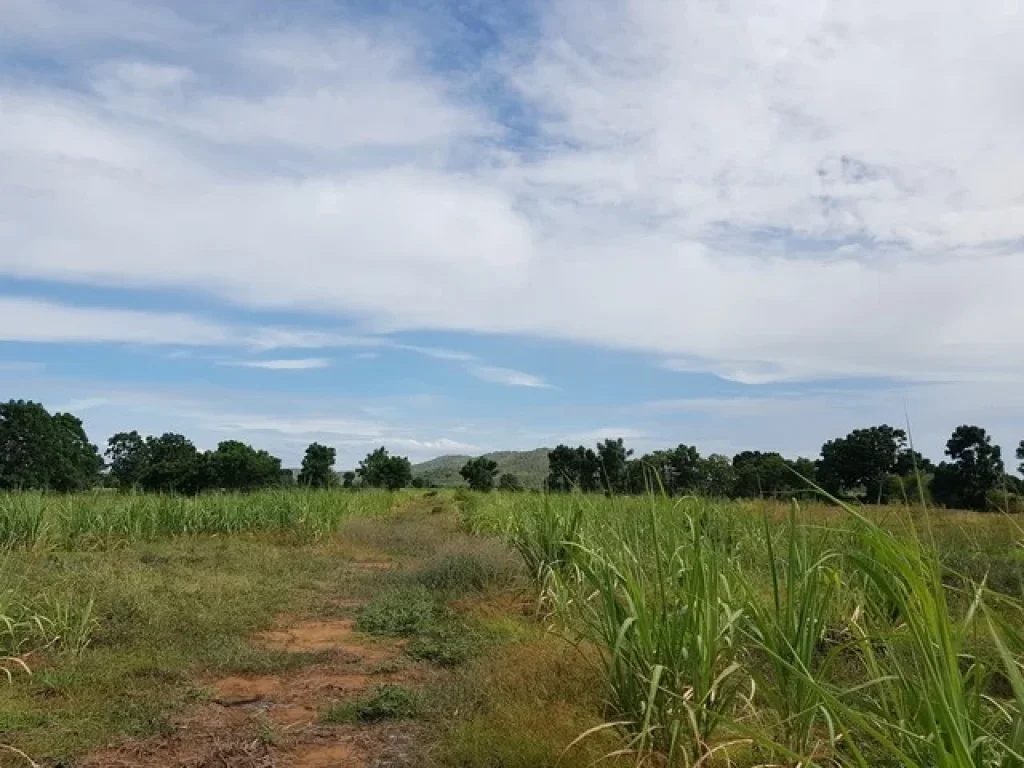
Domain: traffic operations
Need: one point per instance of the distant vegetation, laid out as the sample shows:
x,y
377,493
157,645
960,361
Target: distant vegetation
x,y
530,468
876,465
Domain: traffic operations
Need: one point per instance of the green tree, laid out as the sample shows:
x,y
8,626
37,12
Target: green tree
x,y
1020,457
76,463
240,467
128,459
614,458
318,466
573,468
479,473
348,480
717,476
40,451
861,461
175,465
509,483
975,470
761,474
381,470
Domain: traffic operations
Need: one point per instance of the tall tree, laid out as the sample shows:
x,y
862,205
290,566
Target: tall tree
x,y
128,459
75,463
381,470
672,472
761,474
40,451
861,461
479,473
240,467
573,469
717,476
318,466
975,470
614,457
175,465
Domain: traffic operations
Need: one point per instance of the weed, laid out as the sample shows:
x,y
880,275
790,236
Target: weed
x,y
470,567
400,612
448,645
385,702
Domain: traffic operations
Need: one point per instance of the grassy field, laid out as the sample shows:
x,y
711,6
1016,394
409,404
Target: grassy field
x,y
486,630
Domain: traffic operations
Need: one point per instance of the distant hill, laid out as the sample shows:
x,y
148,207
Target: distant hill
x,y
531,467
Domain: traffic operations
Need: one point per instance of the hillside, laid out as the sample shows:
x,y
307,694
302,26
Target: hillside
x,y
531,467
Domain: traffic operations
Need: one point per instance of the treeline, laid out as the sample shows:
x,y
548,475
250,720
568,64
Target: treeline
x,y
39,450
43,451
873,466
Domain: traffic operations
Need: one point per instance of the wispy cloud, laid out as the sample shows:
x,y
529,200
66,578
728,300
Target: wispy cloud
x,y
507,376
283,364
438,353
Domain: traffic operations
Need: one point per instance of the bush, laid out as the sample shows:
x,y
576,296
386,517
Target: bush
x,y
448,646
1003,501
471,567
401,612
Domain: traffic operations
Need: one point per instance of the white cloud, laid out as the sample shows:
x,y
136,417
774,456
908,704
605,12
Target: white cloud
x,y
283,364
770,192
507,376
31,320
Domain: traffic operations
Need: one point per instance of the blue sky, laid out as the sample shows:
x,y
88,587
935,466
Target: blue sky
x,y
466,226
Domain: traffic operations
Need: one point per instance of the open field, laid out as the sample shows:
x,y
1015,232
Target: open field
x,y
456,629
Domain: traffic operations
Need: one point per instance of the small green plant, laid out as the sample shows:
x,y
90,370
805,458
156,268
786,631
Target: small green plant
x,y
449,645
401,612
470,568
385,702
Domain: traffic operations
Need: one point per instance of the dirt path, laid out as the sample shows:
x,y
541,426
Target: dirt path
x,y
275,721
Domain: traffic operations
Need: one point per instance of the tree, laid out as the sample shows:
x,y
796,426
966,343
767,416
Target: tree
x,y
861,461
509,483
479,473
1020,457
40,451
175,465
348,480
381,470
128,459
573,468
717,476
762,474
614,458
240,467
318,466
975,470
76,463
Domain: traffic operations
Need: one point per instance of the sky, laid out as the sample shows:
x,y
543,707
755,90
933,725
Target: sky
x,y
456,226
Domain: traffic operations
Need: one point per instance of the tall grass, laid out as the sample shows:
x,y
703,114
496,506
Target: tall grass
x,y
743,634
39,520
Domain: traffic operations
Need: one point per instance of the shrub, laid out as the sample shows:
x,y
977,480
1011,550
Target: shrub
x,y
471,567
401,612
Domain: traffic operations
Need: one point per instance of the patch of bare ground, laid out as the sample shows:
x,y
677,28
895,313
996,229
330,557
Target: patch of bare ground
x,y
272,721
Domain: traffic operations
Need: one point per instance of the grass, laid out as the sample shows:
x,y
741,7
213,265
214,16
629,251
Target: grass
x,y
385,702
676,632
104,519
161,615
742,633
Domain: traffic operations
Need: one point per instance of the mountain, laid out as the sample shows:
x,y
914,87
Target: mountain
x,y
531,467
